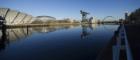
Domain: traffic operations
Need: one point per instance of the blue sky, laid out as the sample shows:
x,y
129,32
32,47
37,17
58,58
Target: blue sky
x,y
70,8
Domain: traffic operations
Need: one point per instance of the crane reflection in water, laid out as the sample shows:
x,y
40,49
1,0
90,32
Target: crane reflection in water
x,y
87,29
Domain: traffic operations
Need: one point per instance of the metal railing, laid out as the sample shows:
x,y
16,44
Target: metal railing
x,y
122,38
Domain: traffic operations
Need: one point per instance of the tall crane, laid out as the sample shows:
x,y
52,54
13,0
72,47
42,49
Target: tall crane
x,y
84,16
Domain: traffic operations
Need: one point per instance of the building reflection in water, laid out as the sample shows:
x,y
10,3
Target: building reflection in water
x,y
14,34
93,26
85,30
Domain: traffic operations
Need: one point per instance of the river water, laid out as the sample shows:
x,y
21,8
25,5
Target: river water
x,y
70,42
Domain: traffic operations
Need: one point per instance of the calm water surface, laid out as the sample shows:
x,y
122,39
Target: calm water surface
x,y
72,42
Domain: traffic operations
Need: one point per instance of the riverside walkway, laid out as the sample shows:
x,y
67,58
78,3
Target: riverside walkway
x,y
124,45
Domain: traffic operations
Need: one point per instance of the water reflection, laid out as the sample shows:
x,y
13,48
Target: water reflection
x,y
85,32
29,31
87,29
54,42
14,34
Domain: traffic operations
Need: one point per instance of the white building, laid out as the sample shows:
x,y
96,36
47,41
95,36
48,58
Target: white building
x,y
94,20
45,18
15,17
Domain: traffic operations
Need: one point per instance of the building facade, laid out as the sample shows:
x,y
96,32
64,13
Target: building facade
x,y
15,17
45,18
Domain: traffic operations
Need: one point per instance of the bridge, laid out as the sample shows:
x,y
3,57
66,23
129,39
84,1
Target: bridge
x,y
103,21
110,20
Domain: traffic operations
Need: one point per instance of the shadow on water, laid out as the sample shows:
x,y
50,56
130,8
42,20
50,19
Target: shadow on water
x,y
3,38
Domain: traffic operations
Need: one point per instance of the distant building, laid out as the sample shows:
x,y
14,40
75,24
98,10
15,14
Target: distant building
x,y
126,15
93,20
70,20
45,18
90,20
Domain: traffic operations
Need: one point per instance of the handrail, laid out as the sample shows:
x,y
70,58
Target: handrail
x,y
118,46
